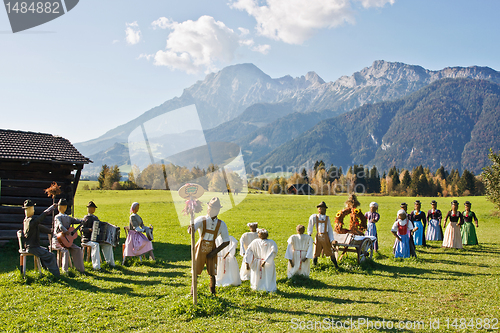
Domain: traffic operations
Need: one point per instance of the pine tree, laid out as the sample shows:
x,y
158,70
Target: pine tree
x,y
374,181
395,178
406,179
466,183
102,175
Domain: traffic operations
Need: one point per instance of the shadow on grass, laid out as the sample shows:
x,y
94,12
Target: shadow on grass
x,y
333,300
168,252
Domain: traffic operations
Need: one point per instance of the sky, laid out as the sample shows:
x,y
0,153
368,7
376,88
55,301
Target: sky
x,y
106,62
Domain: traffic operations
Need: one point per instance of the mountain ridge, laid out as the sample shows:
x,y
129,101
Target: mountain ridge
x,y
224,96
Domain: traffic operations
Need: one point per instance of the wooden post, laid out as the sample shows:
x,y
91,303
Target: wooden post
x,y
194,283
191,192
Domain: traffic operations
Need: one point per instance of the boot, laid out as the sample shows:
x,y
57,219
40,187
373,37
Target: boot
x,y
315,261
212,284
334,260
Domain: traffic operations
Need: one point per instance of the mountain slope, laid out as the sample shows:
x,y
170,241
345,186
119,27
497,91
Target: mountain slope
x,y
452,122
268,106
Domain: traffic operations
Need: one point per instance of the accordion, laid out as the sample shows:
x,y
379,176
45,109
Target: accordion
x,y
103,232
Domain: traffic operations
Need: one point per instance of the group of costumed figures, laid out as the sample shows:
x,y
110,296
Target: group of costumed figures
x,y
216,249
410,229
138,241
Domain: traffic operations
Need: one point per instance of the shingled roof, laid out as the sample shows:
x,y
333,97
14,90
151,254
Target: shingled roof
x,y
30,146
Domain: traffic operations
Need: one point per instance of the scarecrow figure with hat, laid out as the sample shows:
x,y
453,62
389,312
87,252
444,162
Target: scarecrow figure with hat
x,y
419,220
62,223
357,220
245,241
452,237
209,227
32,227
107,249
467,230
434,217
324,234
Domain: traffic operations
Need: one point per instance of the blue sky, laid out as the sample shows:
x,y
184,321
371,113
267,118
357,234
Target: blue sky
x,y
106,62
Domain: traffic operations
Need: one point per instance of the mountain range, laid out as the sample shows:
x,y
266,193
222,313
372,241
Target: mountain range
x,y
241,104
451,123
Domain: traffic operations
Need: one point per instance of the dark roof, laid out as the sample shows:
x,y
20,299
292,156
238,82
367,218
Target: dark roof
x,y
301,188
30,146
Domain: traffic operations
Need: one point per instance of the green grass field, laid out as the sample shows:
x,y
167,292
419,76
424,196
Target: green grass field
x,y
153,296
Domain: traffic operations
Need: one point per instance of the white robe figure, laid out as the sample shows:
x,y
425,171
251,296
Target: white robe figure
x,y
262,251
227,265
245,241
300,246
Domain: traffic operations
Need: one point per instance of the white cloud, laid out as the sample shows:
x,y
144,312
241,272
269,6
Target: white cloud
x,y
246,42
243,31
375,3
294,21
132,32
196,45
162,23
115,41
145,56
264,49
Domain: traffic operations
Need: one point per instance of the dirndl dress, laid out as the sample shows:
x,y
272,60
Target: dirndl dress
x,y
468,230
136,244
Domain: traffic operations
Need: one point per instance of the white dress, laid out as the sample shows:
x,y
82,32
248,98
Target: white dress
x,y
245,241
227,268
262,251
299,247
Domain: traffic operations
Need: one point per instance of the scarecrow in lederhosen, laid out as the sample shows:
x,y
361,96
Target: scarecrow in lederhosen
x,y
209,227
324,236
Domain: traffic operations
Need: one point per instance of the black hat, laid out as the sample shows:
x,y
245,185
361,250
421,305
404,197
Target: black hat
x,y
62,202
433,202
322,204
403,204
28,203
454,202
91,204
467,203
417,202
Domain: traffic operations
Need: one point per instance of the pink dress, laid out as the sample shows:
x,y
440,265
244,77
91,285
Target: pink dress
x,y
136,244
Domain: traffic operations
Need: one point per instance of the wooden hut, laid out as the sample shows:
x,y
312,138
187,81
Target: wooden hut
x,y
301,189
29,163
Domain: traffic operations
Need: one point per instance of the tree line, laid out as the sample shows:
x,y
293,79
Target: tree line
x,y
419,181
169,177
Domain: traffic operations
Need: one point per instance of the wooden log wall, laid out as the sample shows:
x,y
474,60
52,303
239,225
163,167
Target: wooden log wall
x,y
22,181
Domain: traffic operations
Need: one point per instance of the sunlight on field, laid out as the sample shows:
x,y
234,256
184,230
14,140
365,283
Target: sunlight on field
x,y
152,296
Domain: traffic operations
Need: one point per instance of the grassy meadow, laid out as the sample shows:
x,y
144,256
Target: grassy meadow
x,y
153,296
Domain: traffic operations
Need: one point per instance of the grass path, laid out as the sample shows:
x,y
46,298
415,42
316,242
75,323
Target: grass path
x,y
442,284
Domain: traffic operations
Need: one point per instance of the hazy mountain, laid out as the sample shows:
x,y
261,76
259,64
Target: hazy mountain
x,y
452,122
220,97
242,104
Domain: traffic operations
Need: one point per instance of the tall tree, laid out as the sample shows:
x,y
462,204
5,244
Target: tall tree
x,y
406,181
466,183
374,181
102,175
491,178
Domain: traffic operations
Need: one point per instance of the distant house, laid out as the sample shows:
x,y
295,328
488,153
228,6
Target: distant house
x,y
29,163
303,189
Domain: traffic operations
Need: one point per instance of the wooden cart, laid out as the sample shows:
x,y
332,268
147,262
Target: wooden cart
x,y
362,245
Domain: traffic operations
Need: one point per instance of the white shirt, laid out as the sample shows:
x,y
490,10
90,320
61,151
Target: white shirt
x,y
321,226
395,225
246,239
211,225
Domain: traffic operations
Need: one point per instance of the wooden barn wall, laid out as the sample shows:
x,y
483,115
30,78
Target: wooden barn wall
x,y
20,182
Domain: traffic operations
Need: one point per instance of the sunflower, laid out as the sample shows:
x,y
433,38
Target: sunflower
x,y
339,213
356,211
